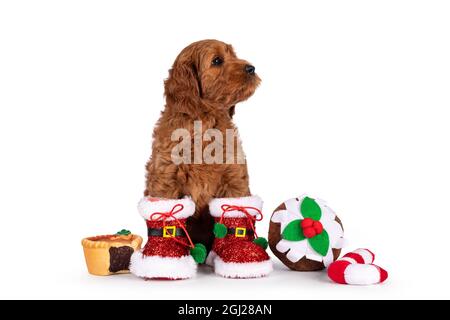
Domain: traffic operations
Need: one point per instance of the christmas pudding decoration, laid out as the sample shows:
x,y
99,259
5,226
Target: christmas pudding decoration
x,y
110,254
357,267
237,251
169,252
305,234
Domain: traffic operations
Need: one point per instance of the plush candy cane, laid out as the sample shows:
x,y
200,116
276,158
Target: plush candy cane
x,y
356,268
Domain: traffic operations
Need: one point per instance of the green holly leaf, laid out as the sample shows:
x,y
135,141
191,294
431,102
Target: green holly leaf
x,y
320,243
310,209
293,231
123,232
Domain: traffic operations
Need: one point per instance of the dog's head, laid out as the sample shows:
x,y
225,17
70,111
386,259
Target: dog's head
x,y
209,74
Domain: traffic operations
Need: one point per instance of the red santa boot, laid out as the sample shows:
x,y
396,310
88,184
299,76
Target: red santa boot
x,y
237,252
169,252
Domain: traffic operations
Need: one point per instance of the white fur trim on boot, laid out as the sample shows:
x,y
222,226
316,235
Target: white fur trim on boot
x,y
242,270
215,206
148,205
162,267
210,258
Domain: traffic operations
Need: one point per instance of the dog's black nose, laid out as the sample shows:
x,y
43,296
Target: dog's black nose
x,y
250,69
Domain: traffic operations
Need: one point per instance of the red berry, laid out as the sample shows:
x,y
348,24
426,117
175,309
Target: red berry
x,y
309,232
307,223
317,227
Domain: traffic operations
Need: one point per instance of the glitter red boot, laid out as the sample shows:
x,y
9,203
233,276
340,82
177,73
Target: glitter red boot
x,y
169,252
236,251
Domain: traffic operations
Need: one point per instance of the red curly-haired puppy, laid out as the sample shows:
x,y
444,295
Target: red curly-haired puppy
x,y
205,83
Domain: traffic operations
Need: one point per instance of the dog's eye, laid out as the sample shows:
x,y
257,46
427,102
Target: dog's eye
x,y
217,61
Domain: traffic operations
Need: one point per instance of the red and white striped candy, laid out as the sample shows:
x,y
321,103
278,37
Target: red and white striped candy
x,y
356,268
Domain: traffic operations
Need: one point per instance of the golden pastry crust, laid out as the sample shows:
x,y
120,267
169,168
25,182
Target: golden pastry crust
x,y
97,251
112,240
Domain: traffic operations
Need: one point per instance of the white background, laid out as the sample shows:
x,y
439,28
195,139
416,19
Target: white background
x,y
353,108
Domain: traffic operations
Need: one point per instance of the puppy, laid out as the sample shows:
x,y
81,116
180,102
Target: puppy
x,y
205,83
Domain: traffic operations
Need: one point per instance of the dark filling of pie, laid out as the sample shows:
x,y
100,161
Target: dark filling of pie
x,y
119,258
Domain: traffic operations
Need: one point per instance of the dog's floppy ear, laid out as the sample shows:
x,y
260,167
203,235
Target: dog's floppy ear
x,y
183,83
